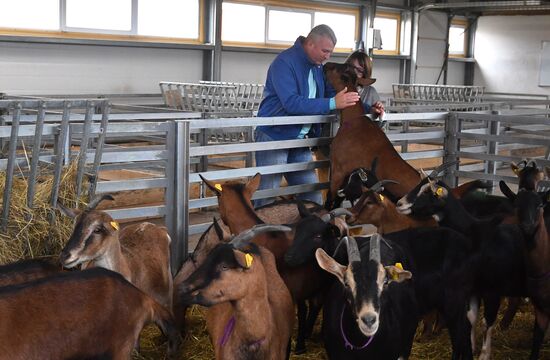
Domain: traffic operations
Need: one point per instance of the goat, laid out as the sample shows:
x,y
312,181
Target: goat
x,y
140,252
381,316
530,205
528,173
28,270
359,140
236,210
252,312
374,208
208,240
438,256
78,315
497,247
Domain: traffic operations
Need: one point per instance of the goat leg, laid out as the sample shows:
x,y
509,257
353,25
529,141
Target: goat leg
x,y
300,347
541,324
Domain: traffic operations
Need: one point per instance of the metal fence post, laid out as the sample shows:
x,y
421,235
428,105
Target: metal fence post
x,y
451,147
10,167
492,147
177,192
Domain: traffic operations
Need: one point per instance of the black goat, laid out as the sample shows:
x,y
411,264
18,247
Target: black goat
x,y
497,248
530,205
371,312
436,257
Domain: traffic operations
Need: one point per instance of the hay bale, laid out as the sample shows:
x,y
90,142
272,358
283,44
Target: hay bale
x,y
29,233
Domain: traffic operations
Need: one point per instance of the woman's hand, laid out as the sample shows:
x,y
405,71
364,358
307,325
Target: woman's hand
x,y
377,109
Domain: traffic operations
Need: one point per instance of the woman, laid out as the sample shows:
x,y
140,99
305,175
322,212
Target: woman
x,y
362,64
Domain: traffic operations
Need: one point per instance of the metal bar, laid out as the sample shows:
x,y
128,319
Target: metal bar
x,y
451,146
31,182
99,149
233,148
11,165
138,212
182,194
59,158
84,148
134,184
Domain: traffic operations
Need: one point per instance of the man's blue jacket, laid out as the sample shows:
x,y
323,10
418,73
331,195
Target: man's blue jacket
x,y
286,92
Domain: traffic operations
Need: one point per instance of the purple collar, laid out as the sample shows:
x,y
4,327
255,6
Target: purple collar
x,y
227,331
347,344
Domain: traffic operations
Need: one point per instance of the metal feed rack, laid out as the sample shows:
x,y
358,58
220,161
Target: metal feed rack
x,y
430,93
212,96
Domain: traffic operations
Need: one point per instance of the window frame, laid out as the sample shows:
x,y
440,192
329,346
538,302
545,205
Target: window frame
x,y
395,16
460,23
286,6
67,32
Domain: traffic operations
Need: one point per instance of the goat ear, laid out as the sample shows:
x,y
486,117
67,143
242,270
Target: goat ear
x,y
397,274
245,260
221,231
341,225
72,213
505,189
330,265
216,189
252,184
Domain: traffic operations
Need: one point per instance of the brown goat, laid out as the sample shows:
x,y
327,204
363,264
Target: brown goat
x,y
279,212
376,209
28,270
251,311
140,252
304,282
78,315
359,140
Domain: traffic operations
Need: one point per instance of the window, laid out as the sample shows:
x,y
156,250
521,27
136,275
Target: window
x,y
285,26
115,16
30,14
272,25
389,25
235,29
457,38
169,18
135,19
343,26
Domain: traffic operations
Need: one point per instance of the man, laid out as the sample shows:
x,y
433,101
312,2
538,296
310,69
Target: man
x,y
295,85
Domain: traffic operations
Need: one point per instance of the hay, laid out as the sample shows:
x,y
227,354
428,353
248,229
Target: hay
x,y
511,344
29,233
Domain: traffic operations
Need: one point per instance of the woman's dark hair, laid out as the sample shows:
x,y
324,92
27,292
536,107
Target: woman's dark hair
x,y
363,60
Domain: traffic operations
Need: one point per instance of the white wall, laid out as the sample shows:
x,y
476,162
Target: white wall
x,y
27,68
507,52
432,31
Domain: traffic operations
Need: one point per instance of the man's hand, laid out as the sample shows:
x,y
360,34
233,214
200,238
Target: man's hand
x,y
346,99
377,109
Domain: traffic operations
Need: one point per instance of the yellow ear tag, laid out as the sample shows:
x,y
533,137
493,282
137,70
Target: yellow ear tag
x,y
218,187
248,259
114,224
395,275
516,171
439,191
381,197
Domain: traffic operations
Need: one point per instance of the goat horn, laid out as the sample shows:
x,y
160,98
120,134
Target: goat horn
x,y
335,213
379,186
244,237
353,250
374,253
93,204
442,168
